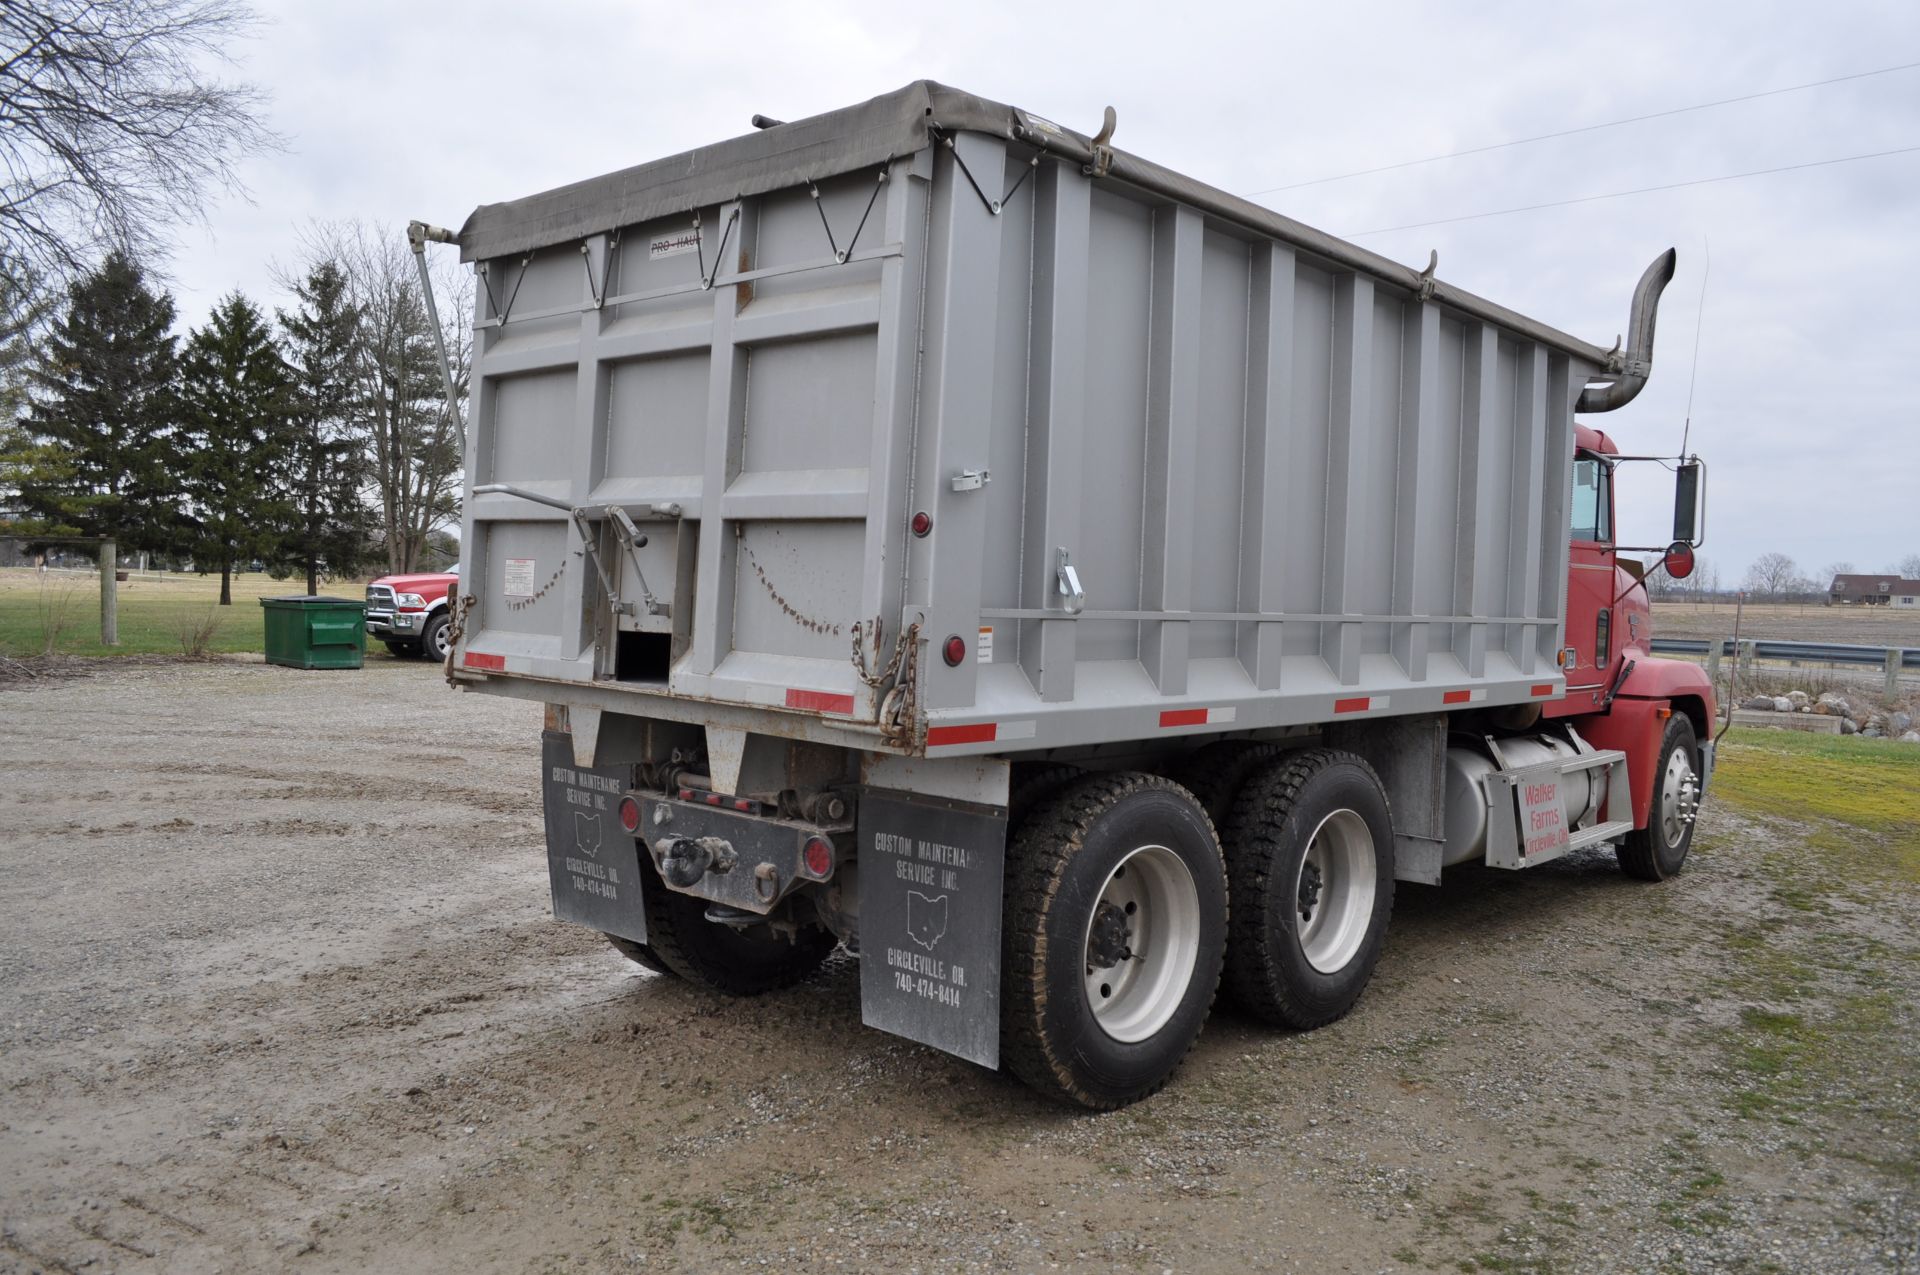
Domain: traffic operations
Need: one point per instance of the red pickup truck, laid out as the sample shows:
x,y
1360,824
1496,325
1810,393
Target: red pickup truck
x,y
410,612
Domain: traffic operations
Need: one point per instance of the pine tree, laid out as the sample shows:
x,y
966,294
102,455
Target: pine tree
x,y
327,459
236,404
95,455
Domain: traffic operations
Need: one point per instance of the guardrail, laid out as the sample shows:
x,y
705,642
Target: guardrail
x,y
1891,658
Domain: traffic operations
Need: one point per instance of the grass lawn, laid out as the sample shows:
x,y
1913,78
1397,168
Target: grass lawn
x,y
1860,797
154,611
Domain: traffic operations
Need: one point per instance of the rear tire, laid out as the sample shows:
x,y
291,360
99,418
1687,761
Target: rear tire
x,y
747,962
1310,855
640,954
1109,863
1659,850
1216,774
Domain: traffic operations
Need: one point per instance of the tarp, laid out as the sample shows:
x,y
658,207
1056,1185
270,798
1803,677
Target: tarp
x,y
792,154
896,125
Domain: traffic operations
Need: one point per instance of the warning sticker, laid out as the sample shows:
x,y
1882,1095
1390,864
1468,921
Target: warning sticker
x,y
517,579
984,651
673,245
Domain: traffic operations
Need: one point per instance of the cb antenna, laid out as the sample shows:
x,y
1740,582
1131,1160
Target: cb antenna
x,y
1699,322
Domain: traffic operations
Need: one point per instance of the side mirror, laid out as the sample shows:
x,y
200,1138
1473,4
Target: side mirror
x,y
1688,480
1678,560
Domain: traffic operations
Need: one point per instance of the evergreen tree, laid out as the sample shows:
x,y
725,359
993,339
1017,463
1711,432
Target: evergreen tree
x,y
327,457
94,454
236,401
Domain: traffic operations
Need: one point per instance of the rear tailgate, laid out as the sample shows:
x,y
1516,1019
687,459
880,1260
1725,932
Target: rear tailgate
x,y
754,432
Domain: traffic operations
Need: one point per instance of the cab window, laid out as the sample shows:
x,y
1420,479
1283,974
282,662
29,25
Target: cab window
x,y
1591,502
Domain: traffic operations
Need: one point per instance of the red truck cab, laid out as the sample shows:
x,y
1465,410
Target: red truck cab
x,y
1659,712
410,613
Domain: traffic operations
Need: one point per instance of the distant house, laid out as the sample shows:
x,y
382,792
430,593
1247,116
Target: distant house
x,y
1881,590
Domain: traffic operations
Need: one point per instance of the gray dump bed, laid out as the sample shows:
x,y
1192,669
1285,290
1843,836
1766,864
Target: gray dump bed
x,y
1189,465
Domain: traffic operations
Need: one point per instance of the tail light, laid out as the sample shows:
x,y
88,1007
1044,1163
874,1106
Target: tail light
x,y
818,857
955,650
630,814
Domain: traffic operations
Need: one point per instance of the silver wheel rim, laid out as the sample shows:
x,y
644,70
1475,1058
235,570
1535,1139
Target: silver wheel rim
x,y
1679,797
440,643
1156,906
1333,891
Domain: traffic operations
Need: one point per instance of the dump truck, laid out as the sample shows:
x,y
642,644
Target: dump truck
x,y
941,536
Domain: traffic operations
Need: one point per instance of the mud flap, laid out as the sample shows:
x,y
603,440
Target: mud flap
x,y
593,864
930,874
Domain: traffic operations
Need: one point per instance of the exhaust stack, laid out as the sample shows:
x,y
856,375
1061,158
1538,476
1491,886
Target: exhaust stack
x,y
1628,377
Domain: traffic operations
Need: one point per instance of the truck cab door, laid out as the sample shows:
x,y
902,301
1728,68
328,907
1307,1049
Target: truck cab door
x,y
1591,579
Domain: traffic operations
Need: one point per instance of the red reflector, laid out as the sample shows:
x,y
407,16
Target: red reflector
x,y
1456,697
980,733
955,650
819,854
820,701
686,794
1352,705
922,523
1543,690
1184,717
629,814
496,663
742,803
713,799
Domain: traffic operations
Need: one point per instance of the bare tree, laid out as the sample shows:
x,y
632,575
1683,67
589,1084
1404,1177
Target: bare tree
x,y
415,443
1772,574
110,125
1910,567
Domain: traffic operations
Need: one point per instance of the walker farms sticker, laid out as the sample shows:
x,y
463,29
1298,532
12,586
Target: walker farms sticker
x,y
518,578
673,245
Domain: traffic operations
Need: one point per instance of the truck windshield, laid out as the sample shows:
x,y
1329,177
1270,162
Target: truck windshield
x,y
1590,503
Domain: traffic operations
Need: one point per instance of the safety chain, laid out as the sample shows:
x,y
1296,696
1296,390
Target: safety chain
x,y
456,629
521,604
896,709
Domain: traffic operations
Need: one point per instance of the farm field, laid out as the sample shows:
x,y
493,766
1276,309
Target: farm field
x,y
1788,622
281,990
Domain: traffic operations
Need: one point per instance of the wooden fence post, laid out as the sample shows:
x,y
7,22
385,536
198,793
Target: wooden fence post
x,y
109,594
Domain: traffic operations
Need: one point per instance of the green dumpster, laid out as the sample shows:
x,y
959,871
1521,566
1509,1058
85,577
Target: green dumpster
x,y
315,632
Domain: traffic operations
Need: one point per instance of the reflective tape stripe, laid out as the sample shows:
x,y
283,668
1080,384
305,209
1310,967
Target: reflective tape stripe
x,y
1543,690
947,736
1473,696
820,701
491,663
1362,704
1173,717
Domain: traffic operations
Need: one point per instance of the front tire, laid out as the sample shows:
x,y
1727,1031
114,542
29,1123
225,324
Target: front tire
x,y
433,640
1114,931
1310,854
1659,850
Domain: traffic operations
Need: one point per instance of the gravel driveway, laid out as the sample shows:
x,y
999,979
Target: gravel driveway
x,y
279,989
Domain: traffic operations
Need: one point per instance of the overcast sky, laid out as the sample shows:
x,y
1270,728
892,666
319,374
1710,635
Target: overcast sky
x,y
1805,406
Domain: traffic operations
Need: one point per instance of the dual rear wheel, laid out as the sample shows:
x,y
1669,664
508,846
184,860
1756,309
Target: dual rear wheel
x,y
1117,922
